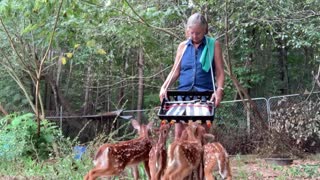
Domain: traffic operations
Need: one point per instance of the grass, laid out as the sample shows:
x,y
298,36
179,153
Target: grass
x,y
252,167
62,168
67,167
240,164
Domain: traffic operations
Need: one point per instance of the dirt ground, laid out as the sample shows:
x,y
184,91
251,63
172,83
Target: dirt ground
x,y
252,167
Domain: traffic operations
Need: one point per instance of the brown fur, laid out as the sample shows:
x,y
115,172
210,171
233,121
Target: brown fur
x,y
111,159
216,159
158,154
185,155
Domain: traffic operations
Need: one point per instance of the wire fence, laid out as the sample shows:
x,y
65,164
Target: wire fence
x,y
235,125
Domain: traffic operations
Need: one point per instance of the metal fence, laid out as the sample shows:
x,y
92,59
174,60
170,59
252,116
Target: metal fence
x,y
280,102
235,125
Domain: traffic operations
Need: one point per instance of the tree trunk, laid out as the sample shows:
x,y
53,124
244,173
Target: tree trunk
x,y
55,96
249,62
307,65
121,88
87,92
59,98
140,84
283,67
317,77
133,86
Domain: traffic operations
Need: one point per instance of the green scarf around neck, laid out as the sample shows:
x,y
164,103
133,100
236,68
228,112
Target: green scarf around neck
x,y
207,54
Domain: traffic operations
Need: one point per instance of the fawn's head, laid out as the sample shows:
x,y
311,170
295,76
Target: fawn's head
x,y
143,130
195,131
164,130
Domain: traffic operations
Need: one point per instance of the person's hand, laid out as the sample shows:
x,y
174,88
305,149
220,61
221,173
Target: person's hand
x,y
217,97
162,94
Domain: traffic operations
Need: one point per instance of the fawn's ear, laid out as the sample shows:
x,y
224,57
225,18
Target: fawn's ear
x,y
208,138
150,124
135,124
167,126
156,130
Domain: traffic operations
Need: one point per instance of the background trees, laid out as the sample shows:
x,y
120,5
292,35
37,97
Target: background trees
x,y
107,54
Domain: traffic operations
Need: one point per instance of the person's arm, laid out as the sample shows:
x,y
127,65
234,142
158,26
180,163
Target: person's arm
x,y
219,74
174,73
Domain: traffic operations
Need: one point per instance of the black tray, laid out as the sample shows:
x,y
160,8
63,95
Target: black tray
x,y
185,98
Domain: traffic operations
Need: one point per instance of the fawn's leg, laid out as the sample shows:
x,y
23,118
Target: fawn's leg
x,y
98,172
147,168
208,170
135,172
180,173
225,171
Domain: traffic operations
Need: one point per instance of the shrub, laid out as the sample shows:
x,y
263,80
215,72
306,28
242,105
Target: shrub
x,y
19,137
301,121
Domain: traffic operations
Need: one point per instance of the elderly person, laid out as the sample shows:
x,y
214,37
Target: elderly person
x,y
193,73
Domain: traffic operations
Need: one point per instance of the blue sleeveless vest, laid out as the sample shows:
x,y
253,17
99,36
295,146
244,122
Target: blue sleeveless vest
x,y
192,77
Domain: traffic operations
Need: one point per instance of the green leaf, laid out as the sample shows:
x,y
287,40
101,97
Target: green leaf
x,y
63,60
91,43
69,55
15,122
101,52
29,28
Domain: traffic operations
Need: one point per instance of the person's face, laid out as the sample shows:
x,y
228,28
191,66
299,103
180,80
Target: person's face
x,y
196,33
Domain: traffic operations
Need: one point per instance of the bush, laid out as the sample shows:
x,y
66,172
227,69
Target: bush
x,y
19,137
301,121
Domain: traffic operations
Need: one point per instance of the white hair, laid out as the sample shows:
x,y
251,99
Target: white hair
x,y
197,19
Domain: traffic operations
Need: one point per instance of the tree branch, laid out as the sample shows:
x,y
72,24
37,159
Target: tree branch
x,y
316,77
3,110
141,20
12,44
40,70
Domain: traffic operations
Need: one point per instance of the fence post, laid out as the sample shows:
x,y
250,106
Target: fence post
x,y
61,118
248,117
269,112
